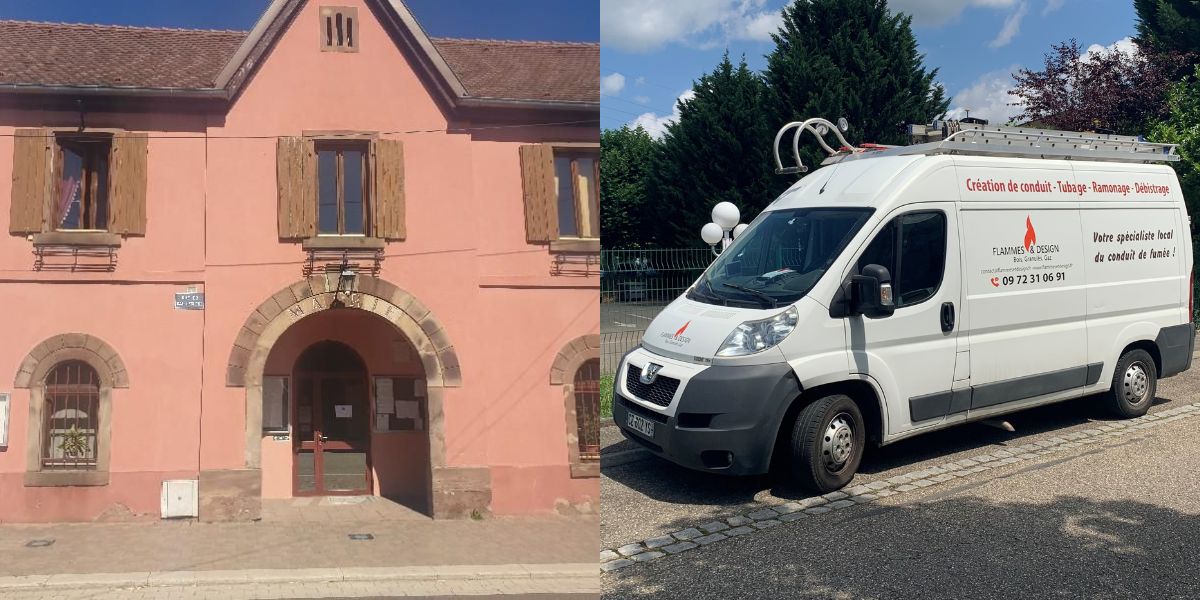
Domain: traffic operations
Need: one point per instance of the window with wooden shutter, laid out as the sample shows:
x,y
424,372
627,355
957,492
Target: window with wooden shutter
x,y
30,180
541,211
296,176
389,217
127,184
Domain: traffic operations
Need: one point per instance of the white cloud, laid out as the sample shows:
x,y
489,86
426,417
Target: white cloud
x,y
987,98
1011,27
647,25
655,125
1124,45
612,84
933,13
1052,5
640,80
642,99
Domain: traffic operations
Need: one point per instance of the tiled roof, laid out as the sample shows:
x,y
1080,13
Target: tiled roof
x,y
58,54
61,54
525,70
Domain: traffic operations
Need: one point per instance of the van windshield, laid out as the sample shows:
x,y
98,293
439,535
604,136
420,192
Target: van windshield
x,y
780,257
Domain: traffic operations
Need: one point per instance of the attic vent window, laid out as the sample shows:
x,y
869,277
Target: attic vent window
x,y
339,29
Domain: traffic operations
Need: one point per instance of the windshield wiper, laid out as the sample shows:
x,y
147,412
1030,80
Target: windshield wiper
x,y
771,303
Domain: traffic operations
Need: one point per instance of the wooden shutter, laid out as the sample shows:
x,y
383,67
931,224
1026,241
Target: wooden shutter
x,y
127,184
296,175
541,198
30,180
387,212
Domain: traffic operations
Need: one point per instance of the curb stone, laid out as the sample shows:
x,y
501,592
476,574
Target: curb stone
x,y
771,515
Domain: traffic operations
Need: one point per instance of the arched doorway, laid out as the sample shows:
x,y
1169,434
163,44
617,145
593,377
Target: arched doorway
x,y
331,410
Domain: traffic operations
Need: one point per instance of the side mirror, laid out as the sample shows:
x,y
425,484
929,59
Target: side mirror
x,y
871,292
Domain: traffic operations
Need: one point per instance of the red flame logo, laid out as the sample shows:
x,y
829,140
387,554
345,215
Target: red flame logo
x,y
1030,234
682,329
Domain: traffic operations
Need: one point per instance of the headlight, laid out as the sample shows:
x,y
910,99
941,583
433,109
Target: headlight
x,y
756,336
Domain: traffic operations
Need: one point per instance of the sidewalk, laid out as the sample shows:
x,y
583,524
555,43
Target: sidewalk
x,y
525,555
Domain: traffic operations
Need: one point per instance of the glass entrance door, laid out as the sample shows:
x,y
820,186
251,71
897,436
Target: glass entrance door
x,y
332,442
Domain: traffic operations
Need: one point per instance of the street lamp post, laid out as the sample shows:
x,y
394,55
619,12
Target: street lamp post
x,y
724,227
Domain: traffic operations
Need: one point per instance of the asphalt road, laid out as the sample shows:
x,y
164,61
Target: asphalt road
x,y
1116,519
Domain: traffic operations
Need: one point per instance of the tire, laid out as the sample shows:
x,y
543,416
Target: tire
x,y
827,443
1134,384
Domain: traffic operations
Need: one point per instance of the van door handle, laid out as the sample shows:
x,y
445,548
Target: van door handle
x,y
947,316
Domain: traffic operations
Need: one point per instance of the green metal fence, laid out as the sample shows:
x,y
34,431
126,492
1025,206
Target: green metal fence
x,y
634,286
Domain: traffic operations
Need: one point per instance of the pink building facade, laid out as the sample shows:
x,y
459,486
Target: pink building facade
x,y
329,256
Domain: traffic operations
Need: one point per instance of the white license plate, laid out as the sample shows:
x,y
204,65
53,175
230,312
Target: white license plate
x,y
640,424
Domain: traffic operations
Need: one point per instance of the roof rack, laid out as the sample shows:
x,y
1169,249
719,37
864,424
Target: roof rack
x,y
955,137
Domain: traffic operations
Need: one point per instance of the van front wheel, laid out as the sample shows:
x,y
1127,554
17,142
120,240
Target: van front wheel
x,y
827,443
1134,384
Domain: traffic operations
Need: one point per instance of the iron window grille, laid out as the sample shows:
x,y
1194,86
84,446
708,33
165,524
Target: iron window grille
x,y
72,417
587,409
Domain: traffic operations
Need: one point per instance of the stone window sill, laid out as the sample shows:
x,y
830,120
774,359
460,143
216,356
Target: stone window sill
x,y
83,239
585,470
343,243
65,478
581,245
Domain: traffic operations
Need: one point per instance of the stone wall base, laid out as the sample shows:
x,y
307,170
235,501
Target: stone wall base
x,y
461,492
231,495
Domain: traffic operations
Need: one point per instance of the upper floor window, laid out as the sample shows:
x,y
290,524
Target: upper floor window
x,y
81,190
339,29
342,188
575,177
562,194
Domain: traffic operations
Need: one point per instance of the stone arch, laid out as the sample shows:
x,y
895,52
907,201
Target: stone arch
x,y
570,358
276,314
72,346
109,368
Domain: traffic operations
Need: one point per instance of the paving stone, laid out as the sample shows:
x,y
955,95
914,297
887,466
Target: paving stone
x,y
1027,456
841,504
688,534
899,479
647,556
856,490
630,549
739,520
864,498
796,516
925,482
966,462
811,502
788,508
817,510
943,477
936,470
616,564
607,555
1002,453
877,485
908,487
767,523
831,496
743,530
680,547
766,513
713,527
705,540
886,493
659,542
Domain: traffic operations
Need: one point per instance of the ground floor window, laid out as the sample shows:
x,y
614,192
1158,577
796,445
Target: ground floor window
x,y
587,409
71,418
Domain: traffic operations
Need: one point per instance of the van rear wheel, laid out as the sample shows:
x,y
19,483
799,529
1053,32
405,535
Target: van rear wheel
x,y
1134,384
827,443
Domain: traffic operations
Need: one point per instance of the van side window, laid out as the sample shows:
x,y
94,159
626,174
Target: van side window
x,y
919,241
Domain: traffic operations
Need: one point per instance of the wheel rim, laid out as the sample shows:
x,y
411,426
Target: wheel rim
x,y
837,444
1135,385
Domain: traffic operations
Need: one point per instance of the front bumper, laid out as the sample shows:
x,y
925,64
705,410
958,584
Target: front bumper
x,y
722,419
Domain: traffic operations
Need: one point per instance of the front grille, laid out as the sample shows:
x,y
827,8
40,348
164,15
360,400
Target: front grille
x,y
661,392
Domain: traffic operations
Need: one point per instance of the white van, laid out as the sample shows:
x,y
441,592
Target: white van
x,y
903,290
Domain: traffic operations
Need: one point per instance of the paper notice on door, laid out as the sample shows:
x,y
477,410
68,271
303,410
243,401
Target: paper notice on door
x,y
384,406
383,389
383,423
343,411
408,410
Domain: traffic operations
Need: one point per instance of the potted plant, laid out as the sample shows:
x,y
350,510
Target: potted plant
x,y
74,443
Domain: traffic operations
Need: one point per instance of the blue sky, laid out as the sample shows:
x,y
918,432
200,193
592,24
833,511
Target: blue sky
x,y
519,19
652,50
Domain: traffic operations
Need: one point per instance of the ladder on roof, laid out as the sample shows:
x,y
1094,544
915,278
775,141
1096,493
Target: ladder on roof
x,y
954,137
